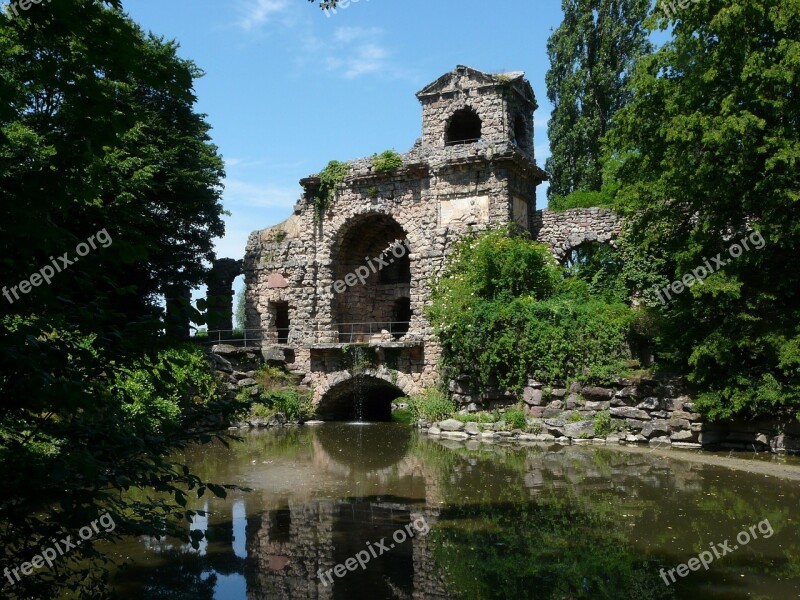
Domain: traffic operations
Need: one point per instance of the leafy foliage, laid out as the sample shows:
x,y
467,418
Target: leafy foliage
x,y
388,160
98,131
431,405
503,311
329,180
591,57
581,199
710,154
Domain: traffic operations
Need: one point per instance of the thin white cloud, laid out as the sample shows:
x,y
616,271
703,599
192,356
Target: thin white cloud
x,y
239,193
358,52
259,12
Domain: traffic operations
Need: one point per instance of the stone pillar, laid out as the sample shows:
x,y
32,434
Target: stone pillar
x,y
178,299
220,293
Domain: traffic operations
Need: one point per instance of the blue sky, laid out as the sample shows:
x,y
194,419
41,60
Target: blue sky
x,y
288,89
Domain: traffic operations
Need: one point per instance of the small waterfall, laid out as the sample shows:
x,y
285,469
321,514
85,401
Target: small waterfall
x,y
358,382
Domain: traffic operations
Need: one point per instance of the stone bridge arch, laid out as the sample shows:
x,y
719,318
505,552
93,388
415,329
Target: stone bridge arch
x,y
566,230
335,396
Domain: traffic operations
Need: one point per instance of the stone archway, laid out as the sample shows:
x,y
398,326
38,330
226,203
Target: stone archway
x,y
371,272
338,402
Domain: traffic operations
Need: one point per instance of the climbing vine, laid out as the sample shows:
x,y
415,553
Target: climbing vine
x,y
329,179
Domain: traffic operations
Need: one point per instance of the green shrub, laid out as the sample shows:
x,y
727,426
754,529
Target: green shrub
x,y
575,417
503,311
386,161
154,391
515,418
478,417
602,423
403,416
431,405
329,179
293,404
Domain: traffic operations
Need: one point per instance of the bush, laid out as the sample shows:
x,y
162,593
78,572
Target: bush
x,y
389,160
293,404
602,423
503,312
515,418
156,389
431,405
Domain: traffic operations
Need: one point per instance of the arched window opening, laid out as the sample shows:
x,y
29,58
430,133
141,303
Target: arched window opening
x,y
464,127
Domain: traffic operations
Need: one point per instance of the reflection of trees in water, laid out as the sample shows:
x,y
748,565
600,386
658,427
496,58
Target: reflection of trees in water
x,y
183,575
547,549
565,543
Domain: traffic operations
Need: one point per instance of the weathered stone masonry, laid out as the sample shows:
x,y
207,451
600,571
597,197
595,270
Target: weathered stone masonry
x,y
473,168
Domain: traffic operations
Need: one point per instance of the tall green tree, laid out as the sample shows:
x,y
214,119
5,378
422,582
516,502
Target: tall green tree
x,y
591,56
98,132
710,150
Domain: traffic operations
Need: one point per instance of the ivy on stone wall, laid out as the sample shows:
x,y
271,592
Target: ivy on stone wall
x,y
329,179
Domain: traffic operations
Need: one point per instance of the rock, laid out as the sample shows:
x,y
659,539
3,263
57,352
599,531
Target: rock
x,y
573,401
544,437
597,393
660,441
683,436
556,404
253,391
686,445
558,392
454,435
273,354
651,403
598,405
487,435
550,412
434,430
277,420
458,387
656,428
532,396
536,411
613,439
678,424
630,391
628,412
693,417
451,425
532,383
583,429
634,424
247,382
221,363
238,375
472,429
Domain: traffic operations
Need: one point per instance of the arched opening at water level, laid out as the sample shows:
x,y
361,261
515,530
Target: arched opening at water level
x,y
360,398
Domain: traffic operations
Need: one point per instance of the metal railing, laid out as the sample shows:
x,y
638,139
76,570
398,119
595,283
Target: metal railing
x,y
353,333
340,333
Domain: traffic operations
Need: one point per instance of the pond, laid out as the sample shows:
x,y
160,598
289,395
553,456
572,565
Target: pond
x,y
377,511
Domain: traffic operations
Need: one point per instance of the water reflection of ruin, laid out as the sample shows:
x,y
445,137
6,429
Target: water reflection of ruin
x,y
272,543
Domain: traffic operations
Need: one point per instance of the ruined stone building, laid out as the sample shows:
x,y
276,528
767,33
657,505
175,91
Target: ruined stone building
x,y
473,167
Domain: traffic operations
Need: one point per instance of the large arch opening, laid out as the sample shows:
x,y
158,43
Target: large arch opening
x,y
372,276
464,127
376,395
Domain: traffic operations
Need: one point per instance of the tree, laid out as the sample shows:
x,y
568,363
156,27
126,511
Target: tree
x,y
591,55
710,147
240,312
98,133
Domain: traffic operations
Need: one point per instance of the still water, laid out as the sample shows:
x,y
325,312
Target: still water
x,y
423,519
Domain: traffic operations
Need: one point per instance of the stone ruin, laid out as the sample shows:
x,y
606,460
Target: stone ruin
x,y
473,168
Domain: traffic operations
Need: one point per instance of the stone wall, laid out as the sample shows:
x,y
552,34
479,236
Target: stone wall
x,y
644,411
565,230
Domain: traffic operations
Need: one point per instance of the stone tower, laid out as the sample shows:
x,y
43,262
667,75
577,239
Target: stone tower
x,y
473,167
